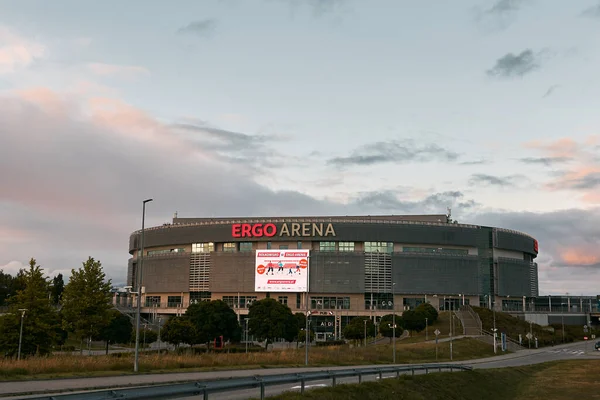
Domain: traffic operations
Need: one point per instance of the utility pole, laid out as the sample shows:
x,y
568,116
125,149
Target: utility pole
x,y
23,310
307,332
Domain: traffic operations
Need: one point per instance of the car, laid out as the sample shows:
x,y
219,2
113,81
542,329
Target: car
x,y
597,346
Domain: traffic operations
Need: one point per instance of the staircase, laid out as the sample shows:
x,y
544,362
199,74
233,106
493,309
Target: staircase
x,y
472,326
470,321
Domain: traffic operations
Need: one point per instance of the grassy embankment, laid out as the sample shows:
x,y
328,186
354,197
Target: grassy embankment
x,y
514,326
562,380
118,364
442,324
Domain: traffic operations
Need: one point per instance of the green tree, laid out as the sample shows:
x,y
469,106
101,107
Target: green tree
x,y
179,330
213,319
302,336
41,321
270,319
86,301
119,330
10,285
57,288
355,330
429,311
413,320
386,326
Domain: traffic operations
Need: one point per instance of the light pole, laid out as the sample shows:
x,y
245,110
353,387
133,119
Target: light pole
x,y
307,331
494,329
451,306
365,333
247,319
426,326
23,310
139,290
394,320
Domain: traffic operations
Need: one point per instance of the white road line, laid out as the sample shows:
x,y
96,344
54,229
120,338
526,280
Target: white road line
x,y
309,386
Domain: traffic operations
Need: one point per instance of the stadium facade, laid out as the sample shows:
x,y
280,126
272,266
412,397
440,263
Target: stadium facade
x,y
357,265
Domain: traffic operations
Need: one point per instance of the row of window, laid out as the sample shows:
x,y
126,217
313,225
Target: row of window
x,y
165,251
155,301
370,247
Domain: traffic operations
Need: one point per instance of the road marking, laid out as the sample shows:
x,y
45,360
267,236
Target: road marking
x,y
309,386
387,377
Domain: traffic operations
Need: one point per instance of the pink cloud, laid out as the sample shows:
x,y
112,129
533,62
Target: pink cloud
x,y
17,52
565,147
582,255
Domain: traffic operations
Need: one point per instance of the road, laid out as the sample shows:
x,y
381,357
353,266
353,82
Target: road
x,y
17,390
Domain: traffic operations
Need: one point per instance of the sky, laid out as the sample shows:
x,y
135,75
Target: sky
x,y
290,108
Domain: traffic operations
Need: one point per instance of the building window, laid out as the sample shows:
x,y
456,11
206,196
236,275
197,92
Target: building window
x,y
327,246
282,299
196,297
164,251
299,245
283,247
379,301
203,247
298,301
436,250
152,301
330,303
269,246
242,301
229,247
174,301
346,246
379,247
245,246
412,303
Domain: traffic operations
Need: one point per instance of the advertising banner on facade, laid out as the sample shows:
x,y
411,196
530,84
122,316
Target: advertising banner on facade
x,y
281,270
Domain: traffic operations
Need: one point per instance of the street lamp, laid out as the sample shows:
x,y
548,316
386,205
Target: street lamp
x,y
23,310
394,321
139,290
365,333
307,327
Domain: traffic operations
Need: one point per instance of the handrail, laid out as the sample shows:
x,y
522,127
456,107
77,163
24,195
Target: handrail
x,y
261,382
508,338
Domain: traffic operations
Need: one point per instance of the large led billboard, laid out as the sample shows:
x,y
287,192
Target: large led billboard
x,y
281,271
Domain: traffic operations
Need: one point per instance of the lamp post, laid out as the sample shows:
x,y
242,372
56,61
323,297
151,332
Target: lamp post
x,y
394,321
494,329
426,331
23,310
365,333
307,331
139,290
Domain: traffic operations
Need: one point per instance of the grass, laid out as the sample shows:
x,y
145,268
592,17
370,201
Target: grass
x,y
442,324
563,380
514,326
118,364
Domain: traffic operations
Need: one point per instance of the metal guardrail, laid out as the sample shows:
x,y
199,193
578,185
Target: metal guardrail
x,y
205,388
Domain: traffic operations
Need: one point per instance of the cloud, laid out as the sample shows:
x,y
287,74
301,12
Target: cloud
x,y
491,180
117,70
593,11
394,151
202,28
474,162
391,202
569,242
550,90
511,65
547,161
500,15
16,52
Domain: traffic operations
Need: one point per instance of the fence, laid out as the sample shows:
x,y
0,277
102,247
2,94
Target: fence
x,y
205,388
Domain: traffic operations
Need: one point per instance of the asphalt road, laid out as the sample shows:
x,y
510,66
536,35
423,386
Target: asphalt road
x,y
17,390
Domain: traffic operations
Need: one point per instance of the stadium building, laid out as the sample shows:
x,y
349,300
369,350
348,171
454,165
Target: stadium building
x,y
354,265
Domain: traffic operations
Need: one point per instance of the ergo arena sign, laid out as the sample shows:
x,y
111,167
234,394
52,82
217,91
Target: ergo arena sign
x,y
295,229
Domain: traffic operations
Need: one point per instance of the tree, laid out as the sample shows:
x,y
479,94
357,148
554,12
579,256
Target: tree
x,y
41,321
86,301
213,319
10,285
57,288
386,328
270,319
413,320
119,330
179,330
429,311
355,330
